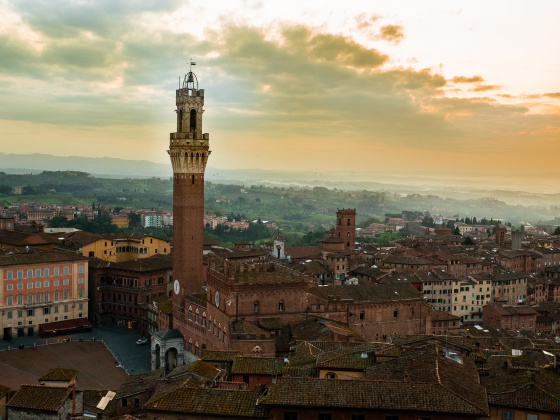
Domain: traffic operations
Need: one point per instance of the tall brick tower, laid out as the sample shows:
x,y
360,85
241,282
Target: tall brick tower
x,y
346,227
189,150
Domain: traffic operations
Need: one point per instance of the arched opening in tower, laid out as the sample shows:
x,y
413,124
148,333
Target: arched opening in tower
x,y
192,119
180,124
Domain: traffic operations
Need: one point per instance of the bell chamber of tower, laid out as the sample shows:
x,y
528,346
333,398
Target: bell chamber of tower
x,y
189,151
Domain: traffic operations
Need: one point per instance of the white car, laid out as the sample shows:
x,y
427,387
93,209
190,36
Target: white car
x,y
141,341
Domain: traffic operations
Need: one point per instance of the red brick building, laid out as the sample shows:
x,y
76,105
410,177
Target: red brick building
x,y
511,317
117,290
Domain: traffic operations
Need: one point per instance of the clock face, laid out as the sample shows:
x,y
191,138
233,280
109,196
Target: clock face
x,y
217,298
176,287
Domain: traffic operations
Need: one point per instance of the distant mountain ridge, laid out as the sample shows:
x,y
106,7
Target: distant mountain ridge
x,y
102,167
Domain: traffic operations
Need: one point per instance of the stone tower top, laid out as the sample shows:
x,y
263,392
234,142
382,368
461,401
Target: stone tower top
x,y
188,146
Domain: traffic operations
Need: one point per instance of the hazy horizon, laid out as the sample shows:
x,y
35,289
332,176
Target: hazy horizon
x,y
422,88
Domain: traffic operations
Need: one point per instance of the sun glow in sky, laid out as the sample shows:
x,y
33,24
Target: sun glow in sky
x,y
415,86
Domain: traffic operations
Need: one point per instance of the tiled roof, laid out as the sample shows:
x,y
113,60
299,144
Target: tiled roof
x,y
528,391
15,238
138,383
271,323
36,256
218,402
245,327
428,365
205,370
373,292
257,365
59,374
352,358
37,397
373,395
219,355
297,252
153,263
318,329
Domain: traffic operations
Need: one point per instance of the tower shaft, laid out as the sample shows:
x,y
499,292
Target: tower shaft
x,y
188,150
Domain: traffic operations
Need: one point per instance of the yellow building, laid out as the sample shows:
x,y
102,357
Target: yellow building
x,y
120,221
125,247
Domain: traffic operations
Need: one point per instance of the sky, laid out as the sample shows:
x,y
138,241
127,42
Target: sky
x,y
411,87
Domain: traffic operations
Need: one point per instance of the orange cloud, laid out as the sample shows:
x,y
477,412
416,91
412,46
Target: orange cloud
x,y
464,79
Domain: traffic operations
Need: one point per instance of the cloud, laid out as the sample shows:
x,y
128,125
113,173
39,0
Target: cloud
x,y
484,88
391,33
464,79
553,95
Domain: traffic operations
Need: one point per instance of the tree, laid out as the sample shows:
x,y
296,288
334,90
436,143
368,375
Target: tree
x,y
456,231
469,241
134,220
557,230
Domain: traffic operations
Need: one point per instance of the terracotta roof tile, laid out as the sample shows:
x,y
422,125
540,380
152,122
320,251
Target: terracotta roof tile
x,y
257,365
37,397
218,402
59,374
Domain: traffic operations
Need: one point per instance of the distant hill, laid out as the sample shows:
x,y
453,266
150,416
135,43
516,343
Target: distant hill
x,y
100,167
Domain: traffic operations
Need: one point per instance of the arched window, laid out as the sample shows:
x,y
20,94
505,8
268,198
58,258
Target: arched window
x,y
256,307
192,121
281,306
180,122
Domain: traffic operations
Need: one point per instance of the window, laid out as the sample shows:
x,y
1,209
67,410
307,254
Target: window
x,y
330,375
9,301
324,416
56,295
29,274
507,415
20,274
46,311
395,313
10,275
65,309
38,284
358,417
80,269
136,402
256,307
20,299
65,270
20,286
281,305
532,417
29,299
65,282
31,312
80,280
290,415
80,293
30,285
124,401
56,271
38,273
362,315
46,272
10,286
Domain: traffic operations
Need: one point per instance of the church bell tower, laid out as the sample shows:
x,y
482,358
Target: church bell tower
x,y
189,150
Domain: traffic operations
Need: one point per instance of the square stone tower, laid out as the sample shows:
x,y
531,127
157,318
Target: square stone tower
x,y
189,150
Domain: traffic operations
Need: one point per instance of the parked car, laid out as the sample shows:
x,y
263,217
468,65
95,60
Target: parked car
x,y
141,341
